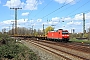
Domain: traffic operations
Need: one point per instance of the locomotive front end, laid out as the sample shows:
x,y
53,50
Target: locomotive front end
x,y
65,35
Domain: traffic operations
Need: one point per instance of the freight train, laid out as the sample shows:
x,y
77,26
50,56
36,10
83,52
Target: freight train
x,y
60,35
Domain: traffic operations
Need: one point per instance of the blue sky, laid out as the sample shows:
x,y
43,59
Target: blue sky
x,y
48,12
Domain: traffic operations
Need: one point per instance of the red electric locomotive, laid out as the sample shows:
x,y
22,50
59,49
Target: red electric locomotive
x,y
60,34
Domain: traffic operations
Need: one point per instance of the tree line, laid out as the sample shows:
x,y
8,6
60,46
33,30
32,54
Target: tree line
x,y
28,31
43,32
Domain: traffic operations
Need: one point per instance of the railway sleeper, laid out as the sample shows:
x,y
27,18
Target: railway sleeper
x,y
63,54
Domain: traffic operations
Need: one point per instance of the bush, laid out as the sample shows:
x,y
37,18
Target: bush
x,y
16,51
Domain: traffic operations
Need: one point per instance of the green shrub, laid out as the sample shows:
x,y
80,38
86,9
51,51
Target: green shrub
x,y
15,50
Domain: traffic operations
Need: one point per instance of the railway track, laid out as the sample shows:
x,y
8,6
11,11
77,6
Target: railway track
x,y
64,52
72,45
49,49
76,46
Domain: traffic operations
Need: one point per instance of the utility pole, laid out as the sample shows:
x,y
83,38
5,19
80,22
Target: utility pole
x,y
83,24
12,27
9,30
16,19
43,30
32,30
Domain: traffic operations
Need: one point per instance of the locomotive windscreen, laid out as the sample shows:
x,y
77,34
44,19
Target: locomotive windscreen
x,y
64,32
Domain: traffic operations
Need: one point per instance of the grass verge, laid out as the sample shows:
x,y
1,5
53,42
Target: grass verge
x,y
80,41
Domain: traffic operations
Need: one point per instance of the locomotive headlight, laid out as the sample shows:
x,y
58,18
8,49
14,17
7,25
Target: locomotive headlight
x,y
67,35
63,35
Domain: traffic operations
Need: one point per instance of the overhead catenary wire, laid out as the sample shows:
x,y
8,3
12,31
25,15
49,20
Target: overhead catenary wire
x,y
67,8
79,13
43,8
79,7
31,11
82,6
56,9
46,6
62,5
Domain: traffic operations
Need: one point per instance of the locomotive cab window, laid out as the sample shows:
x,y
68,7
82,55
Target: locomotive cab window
x,y
64,32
